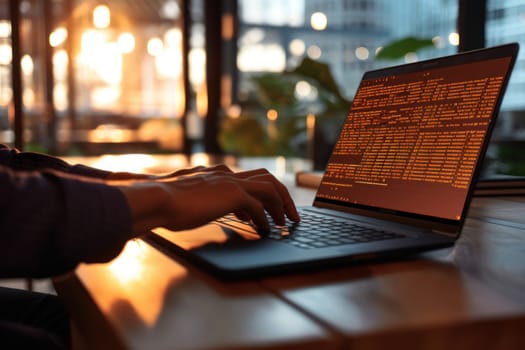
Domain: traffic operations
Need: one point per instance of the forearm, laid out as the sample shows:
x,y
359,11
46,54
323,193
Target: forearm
x,y
50,223
31,161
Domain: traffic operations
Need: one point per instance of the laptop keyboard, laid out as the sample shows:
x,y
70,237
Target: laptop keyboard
x,y
314,231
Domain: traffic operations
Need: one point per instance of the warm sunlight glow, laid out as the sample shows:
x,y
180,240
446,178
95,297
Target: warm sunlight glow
x,y
310,127
261,57
60,96
6,54
126,42
5,29
6,94
169,63
170,9
226,90
272,114
453,39
234,111
58,37
318,21
129,265
228,25
101,17
155,46
271,126
104,58
108,132
106,97
197,57
141,275
134,163
179,99
202,100
28,97
27,65
92,41
200,159
173,38
60,61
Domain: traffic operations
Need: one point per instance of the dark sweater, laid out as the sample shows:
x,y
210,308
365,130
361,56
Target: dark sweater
x,y
52,216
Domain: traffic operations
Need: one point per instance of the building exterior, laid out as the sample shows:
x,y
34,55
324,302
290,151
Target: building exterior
x,y
351,31
363,27
506,23
354,30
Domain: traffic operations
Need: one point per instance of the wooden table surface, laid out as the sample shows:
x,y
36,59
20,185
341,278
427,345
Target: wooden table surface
x,y
469,296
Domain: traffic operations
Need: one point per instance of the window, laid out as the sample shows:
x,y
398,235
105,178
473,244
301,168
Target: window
x,y
276,36
115,82
119,83
433,19
505,23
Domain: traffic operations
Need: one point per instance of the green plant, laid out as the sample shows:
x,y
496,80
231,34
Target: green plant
x,y
254,134
251,134
399,48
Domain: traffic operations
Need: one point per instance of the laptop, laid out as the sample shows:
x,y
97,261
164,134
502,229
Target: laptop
x,y
399,179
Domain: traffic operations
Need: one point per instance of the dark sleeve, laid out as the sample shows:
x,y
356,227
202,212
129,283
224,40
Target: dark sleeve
x,y
50,223
30,161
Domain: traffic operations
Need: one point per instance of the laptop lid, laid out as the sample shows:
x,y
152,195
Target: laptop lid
x,y
411,146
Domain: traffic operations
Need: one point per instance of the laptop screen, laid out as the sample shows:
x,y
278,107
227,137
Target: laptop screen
x,y
412,140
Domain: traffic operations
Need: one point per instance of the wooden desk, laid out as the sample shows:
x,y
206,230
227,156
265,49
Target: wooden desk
x,y
469,296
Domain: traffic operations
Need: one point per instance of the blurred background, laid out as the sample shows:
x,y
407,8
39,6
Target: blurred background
x,y
237,77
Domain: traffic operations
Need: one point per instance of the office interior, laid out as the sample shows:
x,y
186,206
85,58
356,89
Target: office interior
x,y
86,78
220,78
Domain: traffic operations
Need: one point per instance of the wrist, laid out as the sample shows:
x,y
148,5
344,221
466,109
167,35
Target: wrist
x,y
146,201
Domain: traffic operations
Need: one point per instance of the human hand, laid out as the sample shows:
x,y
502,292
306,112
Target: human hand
x,y
192,171
197,198
115,178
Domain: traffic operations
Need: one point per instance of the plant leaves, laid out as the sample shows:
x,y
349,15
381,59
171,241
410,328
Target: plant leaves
x,y
320,72
274,91
399,48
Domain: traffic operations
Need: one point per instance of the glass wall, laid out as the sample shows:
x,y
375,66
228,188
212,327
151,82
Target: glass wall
x,y
506,23
117,76
116,83
339,38
6,91
346,34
